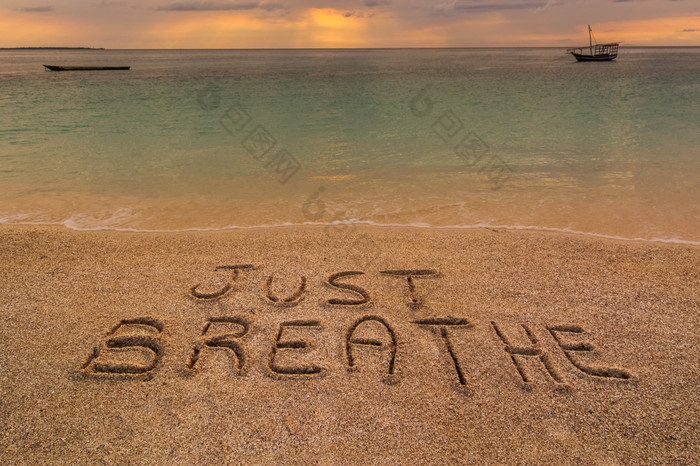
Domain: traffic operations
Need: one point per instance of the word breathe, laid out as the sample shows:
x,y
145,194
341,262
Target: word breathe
x,y
135,347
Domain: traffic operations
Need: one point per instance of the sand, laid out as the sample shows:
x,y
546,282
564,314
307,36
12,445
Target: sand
x,y
346,345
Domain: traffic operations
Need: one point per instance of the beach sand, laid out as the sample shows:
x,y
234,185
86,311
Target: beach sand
x,y
398,346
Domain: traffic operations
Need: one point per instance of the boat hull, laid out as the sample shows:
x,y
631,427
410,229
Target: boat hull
x,y
580,57
85,68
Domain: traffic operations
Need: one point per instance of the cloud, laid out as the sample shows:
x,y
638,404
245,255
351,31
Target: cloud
x,y
478,8
356,14
548,4
219,6
37,9
339,23
41,30
108,4
453,7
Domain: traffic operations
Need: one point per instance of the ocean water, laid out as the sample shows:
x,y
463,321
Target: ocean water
x,y
523,138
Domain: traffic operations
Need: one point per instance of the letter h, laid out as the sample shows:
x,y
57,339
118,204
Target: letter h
x,y
519,353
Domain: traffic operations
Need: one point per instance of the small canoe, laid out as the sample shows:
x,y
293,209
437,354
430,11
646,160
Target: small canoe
x,y
85,68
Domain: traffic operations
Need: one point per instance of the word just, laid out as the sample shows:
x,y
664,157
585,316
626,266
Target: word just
x,y
355,295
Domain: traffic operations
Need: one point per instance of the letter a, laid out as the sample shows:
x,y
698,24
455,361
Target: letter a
x,y
351,340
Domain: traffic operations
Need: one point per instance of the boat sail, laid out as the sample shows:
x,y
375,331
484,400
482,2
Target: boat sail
x,y
594,52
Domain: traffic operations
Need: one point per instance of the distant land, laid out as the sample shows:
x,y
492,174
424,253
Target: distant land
x,y
51,48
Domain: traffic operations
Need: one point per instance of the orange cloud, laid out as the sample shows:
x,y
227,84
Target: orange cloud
x,y
660,31
26,29
498,30
311,28
487,29
330,28
213,30
327,27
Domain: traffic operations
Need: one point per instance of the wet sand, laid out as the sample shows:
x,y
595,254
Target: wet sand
x,y
347,345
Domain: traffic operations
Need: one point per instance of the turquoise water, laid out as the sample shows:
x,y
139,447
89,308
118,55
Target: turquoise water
x,y
430,137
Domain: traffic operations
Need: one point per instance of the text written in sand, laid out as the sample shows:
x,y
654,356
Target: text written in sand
x,y
551,353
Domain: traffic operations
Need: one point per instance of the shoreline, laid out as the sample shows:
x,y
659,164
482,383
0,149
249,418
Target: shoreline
x,y
365,224
389,345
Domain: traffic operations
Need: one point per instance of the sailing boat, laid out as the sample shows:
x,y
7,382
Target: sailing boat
x,y
597,52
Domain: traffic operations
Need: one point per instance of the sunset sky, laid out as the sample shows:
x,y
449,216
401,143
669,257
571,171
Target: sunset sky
x,y
344,23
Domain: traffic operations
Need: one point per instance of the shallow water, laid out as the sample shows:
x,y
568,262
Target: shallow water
x,y
429,137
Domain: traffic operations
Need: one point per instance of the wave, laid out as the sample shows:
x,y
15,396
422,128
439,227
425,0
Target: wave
x,y
75,225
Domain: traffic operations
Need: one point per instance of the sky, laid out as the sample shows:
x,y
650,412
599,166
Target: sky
x,y
195,24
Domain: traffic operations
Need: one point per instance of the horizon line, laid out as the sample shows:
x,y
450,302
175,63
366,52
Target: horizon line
x,y
333,48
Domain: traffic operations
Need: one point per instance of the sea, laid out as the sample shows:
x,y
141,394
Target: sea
x,y
522,138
